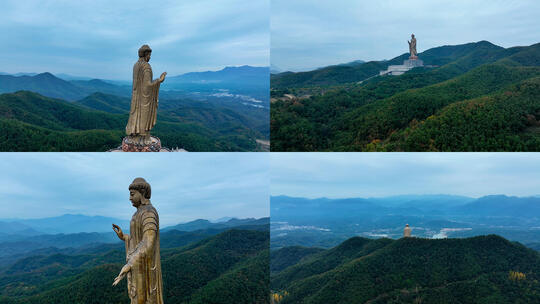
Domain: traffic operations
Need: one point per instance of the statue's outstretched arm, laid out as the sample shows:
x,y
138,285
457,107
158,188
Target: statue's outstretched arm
x,y
143,248
121,235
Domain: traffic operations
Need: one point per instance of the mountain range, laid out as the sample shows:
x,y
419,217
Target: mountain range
x,y
32,122
483,269
327,222
217,263
227,267
285,207
469,97
77,223
73,88
206,224
225,110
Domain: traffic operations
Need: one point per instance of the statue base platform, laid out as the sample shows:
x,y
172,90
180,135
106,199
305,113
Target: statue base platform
x,y
401,69
413,62
130,144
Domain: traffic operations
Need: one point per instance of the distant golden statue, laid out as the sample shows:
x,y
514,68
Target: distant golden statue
x,y
412,48
144,99
407,231
143,265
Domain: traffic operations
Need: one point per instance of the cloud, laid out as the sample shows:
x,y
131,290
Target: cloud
x,y
100,38
185,186
341,175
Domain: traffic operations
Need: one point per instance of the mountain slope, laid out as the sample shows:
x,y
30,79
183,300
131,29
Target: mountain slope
x,y
106,102
288,256
474,270
506,121
248,283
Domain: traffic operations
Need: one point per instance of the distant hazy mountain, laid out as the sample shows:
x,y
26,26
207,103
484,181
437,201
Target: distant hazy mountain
x,y
223,219
51,86
491,205
16,228
288,208
274,69
242,78
230,76
424,202
410,270
45,83
205,224
68,77
326,222
502,205
24,74
71,223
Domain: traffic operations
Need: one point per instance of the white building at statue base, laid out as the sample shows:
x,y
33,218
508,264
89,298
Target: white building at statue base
x,y
400,69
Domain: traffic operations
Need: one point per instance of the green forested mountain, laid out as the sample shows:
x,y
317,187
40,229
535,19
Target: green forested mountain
x,y
231,267
341,74
31,122
480,98
484,269
288,256
17,247
106,102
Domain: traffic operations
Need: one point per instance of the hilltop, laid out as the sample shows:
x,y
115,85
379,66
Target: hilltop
x,y
484,269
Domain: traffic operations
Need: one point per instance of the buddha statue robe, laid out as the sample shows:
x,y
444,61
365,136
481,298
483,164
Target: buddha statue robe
x,y
144,281
412,47
144,100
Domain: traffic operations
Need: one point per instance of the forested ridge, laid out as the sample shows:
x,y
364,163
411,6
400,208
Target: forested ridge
x,y
483,269
405,113
231,267
31,122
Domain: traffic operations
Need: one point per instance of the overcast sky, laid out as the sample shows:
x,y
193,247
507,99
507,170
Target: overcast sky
x,y
100,38
185,186
309,34
344,175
